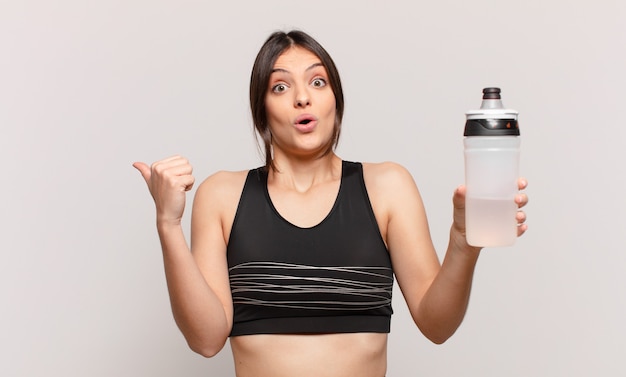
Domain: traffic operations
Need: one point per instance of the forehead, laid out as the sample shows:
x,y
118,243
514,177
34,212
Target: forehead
x,y
296,57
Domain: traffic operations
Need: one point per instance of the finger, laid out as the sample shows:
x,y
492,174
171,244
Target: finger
x,y
458,200
173,171
521,200
521,229
144,169
171,158
187,182
175,166
520,217
173,161
522,183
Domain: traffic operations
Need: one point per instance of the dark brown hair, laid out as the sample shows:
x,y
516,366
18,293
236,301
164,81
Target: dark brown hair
x,y
273,47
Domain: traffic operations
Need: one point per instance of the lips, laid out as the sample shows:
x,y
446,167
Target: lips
x,y
305,122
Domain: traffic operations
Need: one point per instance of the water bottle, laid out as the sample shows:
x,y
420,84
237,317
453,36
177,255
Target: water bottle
x,y
492,149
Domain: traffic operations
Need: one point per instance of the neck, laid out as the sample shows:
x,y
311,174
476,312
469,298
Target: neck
x,y
302,174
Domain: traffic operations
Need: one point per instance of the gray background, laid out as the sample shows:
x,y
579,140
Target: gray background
x,y
88,87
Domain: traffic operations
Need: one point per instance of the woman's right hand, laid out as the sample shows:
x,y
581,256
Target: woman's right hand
x,y
168,180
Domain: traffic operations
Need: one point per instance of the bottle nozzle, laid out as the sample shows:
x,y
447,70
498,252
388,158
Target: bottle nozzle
x,y
491,93
491,99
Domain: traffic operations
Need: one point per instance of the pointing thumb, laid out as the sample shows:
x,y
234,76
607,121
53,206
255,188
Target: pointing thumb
x,y
144,169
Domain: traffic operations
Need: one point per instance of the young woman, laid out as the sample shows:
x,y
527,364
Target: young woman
x,y
295,261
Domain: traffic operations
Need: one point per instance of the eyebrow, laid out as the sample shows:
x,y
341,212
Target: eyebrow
x,y
314,65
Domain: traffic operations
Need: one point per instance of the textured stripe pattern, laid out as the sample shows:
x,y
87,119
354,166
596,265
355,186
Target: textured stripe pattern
x,y
296,286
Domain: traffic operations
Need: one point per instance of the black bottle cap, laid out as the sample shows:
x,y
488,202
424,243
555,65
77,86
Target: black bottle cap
x,y
491,93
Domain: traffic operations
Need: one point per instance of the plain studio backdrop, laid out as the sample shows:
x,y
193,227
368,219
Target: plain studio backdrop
x,y
88,87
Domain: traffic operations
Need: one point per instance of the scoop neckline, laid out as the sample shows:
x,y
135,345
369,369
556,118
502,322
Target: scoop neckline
x,y
324,219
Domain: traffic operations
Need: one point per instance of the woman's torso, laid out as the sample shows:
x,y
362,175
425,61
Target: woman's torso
x,y
335,354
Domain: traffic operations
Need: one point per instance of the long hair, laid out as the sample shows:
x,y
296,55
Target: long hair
x,y
273,47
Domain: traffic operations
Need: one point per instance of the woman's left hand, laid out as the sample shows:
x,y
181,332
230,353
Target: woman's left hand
x,y
458,201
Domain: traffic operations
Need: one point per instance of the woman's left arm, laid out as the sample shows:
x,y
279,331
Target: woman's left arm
x,y
437,295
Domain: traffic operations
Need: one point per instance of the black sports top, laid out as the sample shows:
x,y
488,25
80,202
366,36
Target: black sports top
x,y
334,277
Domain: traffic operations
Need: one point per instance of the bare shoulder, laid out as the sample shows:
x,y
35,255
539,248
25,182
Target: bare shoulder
x,y
220,191
392,192
385,176
214,208
222,182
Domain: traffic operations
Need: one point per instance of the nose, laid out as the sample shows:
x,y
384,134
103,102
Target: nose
x,y
302,99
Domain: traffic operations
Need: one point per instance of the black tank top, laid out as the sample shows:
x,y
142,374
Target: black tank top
x,y
335,277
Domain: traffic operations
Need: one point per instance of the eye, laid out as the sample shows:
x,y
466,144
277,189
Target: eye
x,y
319,82
279,88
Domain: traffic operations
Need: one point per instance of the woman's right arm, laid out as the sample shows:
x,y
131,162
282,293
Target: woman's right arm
x,y
197,281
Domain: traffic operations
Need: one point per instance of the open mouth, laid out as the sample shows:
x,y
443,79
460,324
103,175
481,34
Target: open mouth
x,y
304,119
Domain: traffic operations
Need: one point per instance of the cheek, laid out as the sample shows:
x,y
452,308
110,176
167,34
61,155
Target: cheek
x,y
331,106
272,109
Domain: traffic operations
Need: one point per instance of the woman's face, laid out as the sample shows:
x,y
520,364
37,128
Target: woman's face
x,y
300,104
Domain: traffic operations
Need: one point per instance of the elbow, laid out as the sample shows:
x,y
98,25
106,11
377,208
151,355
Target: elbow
x,y
206,351
438,335
438,330
205,341
438,339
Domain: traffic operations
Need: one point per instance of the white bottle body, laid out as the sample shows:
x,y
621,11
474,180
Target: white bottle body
x,y
491,173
